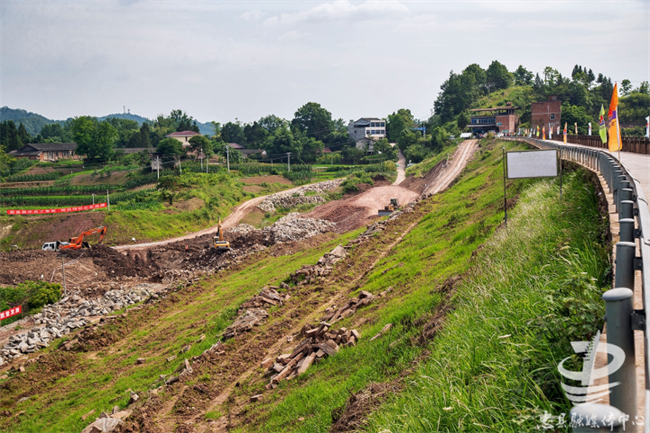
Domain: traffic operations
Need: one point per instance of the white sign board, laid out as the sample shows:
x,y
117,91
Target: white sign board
x,y
532,163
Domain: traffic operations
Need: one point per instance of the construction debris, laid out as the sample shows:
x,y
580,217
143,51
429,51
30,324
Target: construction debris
x,y
245,322
321,341
309,274
297,196
333,314
268,296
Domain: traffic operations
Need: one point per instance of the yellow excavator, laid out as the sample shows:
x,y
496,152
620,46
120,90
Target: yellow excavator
x,y
219,242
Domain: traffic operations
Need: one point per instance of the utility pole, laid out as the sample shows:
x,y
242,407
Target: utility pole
x,y
108,200
201,159
180,165
158,161
65,289
228,157
289,161
93,198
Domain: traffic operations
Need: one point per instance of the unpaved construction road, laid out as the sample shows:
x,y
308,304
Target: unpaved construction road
x,y
350,213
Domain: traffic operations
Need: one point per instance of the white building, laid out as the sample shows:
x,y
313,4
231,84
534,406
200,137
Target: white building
x,y
367,127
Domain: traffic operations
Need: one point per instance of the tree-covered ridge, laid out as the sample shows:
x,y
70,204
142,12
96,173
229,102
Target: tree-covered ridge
x,y
582,94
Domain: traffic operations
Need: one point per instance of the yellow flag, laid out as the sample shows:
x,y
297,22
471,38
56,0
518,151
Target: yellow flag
x,y
565,125
615,142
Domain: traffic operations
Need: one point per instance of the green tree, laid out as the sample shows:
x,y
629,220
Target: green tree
x,y
497,76
282,141
170,147
9,138
523,77
94,139
271,123
145,140
200,143
463,120
23,134
314,120
574,114
626,87
233,133
399,122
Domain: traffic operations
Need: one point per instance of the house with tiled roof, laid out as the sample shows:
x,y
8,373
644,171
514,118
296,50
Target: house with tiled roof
x,y
46,151
183,136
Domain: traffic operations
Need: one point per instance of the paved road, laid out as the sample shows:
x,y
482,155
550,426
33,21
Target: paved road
x,y
637,164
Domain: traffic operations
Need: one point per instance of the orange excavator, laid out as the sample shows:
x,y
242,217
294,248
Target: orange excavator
x,y
76,242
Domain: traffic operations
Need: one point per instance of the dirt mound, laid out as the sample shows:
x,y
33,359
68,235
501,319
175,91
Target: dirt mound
x,y
419,184
190,205
118,265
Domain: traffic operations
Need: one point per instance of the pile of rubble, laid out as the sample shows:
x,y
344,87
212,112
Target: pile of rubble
x,y
252,313
66,315
334,314
309,274
320,342
297,197
294,228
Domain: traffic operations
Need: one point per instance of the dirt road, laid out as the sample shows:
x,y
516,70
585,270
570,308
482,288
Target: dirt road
x,y
401,168
453,170
230,221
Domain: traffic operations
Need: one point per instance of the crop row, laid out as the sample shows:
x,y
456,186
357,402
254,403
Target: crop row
x,y
34,177
73,200
62,190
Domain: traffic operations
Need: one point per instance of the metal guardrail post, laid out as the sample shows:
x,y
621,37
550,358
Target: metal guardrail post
x,y
618,310
625,254
626,210
627,229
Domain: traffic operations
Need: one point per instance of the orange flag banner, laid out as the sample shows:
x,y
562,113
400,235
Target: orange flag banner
x,y
615,142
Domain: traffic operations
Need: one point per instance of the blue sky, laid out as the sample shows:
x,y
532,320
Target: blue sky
x,y
227,60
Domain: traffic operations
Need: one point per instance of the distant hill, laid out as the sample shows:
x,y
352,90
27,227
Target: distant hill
x,y
127,116
34,122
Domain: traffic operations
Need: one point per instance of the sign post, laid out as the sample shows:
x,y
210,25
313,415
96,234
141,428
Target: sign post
x,y
526,164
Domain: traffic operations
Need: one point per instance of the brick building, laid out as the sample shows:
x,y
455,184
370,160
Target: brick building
x,y
495,119
546,113
46,151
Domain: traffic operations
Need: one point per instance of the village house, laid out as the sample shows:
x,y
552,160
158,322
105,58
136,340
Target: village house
x,y
46,151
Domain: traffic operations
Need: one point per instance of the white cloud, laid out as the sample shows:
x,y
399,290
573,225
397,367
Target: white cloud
x,y
342,10
253,15
293,35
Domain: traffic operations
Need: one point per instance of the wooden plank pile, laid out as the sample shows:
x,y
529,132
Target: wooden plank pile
x,y
320,341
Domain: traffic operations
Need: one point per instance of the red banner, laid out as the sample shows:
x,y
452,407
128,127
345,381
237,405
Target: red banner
x,y
48,211
11,312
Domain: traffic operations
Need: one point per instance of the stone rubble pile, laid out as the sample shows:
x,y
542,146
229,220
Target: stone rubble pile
x,y
297,196
294,228
309,274
268,296
66,315
320,341
252,312
333,314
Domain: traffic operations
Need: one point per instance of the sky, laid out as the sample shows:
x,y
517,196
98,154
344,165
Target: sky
x,y
227,60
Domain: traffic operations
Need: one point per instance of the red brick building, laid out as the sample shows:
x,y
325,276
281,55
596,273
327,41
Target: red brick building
x,y
546,113
495,119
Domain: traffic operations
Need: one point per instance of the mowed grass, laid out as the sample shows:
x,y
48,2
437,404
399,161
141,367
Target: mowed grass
x,y
99,379
486,381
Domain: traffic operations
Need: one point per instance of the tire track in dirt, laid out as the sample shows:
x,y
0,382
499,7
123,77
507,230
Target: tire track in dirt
x,y
459,162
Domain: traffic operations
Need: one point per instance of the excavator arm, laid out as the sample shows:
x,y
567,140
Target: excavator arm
x,y
78,242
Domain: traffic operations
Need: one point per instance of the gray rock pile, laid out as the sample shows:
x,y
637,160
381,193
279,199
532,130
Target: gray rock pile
x,y
293,227
66,315
252,312
298,197
309,274
334,314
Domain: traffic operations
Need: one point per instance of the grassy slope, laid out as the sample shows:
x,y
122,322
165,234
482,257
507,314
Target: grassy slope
x,y
455,223
486,380
69,385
